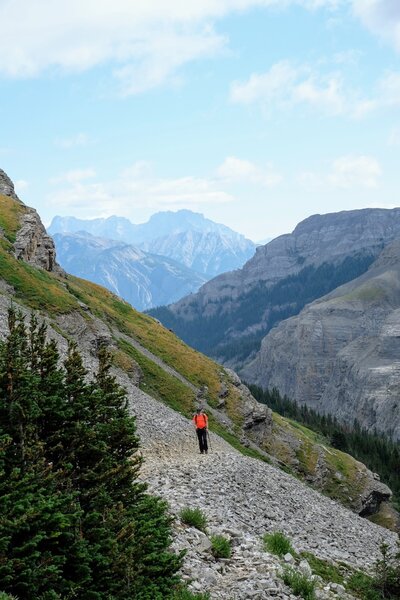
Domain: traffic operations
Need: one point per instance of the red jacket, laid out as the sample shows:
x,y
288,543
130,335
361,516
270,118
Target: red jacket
x,y
201,421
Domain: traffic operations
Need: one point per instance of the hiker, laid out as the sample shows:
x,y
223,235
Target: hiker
x,y
200,421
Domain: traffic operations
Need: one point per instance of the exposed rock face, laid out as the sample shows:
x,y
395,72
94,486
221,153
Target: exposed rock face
x,y
229,315
7,186
341,354
34,245
318,239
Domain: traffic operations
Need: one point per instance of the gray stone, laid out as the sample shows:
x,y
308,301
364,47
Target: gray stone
x,y
289,559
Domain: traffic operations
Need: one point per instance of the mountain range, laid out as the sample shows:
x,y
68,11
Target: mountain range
x,y
185,236
243,318
151,264
141,278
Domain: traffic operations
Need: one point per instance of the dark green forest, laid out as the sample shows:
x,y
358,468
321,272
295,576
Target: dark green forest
x,y
379,453
220,336
75,520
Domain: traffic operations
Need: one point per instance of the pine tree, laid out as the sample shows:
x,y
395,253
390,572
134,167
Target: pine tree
x,y
38,530
76,520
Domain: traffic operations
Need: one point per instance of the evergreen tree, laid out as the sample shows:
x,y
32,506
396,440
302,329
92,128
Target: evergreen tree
x,y
77,523
39,525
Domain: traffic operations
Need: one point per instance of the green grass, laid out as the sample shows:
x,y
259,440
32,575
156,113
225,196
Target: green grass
x,y
10,215
234,441
327,571
159,384
363,586
197,368
36,288
277,543
221,547
194,517
185,594
300,584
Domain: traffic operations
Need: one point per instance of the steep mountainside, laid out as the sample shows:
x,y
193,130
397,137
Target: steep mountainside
x,y
230,314
242,497
141,278
183,236
341,354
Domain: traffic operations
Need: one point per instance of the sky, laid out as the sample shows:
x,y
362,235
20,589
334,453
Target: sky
x,y
256,113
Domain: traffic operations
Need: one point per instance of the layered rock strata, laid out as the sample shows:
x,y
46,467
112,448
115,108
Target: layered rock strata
x,y
341,354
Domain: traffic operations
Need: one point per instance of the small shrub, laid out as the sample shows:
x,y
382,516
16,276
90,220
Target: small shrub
x,y
194,517
185,594
300,584
327,571
363,585
221,547
277,543
387,572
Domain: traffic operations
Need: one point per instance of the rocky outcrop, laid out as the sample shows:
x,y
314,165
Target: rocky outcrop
x,y
341,354
7,186
34,245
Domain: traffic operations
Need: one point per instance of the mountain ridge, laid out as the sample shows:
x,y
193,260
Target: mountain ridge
x,y
184,236
358,375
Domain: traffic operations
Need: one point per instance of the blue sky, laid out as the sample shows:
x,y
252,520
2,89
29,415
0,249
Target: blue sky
x,y
257,113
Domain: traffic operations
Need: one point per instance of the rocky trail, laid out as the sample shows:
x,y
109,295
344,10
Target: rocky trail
x,y
243,498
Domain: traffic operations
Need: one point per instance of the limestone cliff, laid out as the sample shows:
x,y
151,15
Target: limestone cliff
x,y
228,316
341,354
31,244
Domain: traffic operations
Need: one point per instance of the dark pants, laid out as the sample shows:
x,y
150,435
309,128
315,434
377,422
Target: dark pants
x,y
202,436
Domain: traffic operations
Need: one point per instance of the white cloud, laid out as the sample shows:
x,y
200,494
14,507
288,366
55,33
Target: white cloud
x,y
144,43
355,171
75,176
135,188
286,85
79,139
235,170
381,17
345,172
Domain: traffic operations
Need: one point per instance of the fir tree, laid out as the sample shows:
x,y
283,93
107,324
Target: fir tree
x,y
76,522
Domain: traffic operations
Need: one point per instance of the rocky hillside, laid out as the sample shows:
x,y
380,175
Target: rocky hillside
x,y
183,236
230,314
242,495
341,354
143,279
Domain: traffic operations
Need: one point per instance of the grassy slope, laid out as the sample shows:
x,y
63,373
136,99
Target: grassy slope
x,y
55,295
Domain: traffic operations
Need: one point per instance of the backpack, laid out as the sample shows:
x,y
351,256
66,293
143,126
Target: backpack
x,y
204,418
